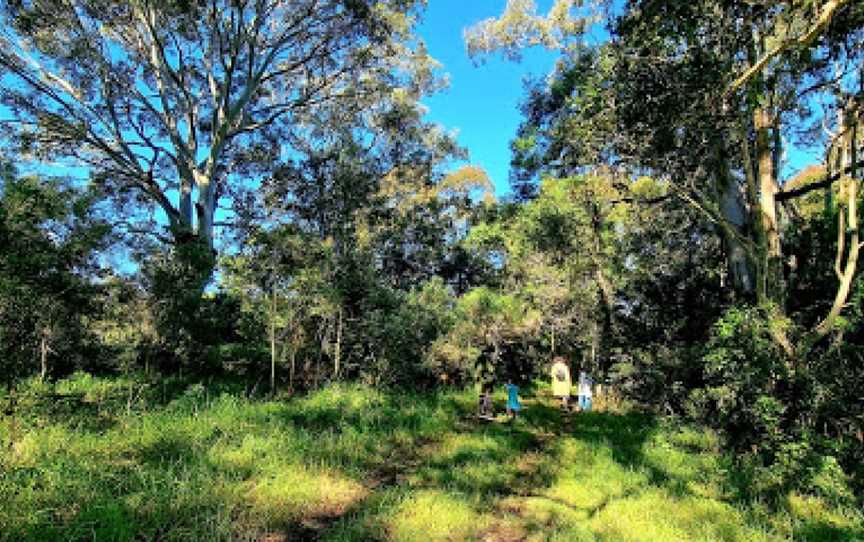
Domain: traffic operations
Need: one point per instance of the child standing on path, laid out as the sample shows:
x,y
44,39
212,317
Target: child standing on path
x,y
484,404
513,405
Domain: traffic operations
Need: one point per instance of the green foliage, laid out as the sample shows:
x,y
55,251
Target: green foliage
x,y
175,281
487,324
836,414
357,258
49,237
125,459
771,411
745,375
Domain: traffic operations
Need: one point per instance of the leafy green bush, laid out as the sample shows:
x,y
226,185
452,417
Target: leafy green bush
x,y
745,376
768,408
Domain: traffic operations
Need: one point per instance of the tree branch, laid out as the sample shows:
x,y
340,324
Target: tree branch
x,y
825,183
825,15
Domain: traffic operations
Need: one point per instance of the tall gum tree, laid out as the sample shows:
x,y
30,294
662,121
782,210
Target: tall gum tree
x,y
729,80
177,104
704,96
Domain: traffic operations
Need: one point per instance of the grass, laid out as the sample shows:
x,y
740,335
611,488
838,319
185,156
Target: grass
x,y
112,459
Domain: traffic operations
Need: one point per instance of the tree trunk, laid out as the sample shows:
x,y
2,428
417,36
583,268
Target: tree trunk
x,y
847,157
771,284
338,347
185,206
848,273
43,355
734,212
205,208
273,342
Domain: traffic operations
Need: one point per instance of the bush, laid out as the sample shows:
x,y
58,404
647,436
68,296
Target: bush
x,y
745,381
771,410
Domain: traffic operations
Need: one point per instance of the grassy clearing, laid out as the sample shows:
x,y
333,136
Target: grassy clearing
x,y
112,460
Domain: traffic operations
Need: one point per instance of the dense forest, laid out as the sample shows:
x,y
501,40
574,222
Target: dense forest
x,y
205,196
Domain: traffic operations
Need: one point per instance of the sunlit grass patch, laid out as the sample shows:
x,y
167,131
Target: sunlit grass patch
x,y
25,451
588,477
435,515
243,460
340,403
539,512
587,494
656,516
297,493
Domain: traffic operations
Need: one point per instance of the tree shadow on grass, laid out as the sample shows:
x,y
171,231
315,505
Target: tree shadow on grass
x,y
627,436
822,531
485,462
74,412
624,434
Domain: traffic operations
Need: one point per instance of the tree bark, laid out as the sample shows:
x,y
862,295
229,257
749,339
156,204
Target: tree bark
x,y
338,347
851,263
771,285
847,157
185,207
823,19
733,211
273,342
43,355
205,208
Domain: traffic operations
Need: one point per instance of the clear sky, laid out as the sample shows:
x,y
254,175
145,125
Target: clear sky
x,y
482,102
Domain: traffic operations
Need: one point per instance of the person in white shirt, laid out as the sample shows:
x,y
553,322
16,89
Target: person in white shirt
x,y
584,391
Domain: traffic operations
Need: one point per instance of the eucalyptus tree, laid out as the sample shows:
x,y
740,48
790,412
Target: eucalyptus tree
x,y
176,105
707,95
726,85
520,26
372,189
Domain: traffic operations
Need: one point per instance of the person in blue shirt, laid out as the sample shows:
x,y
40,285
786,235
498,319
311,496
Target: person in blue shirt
x,y
513,405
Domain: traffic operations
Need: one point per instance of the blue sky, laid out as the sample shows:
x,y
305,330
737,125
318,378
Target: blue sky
x,y
482,101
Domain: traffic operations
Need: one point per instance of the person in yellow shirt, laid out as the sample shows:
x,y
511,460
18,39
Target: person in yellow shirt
x,y
561,382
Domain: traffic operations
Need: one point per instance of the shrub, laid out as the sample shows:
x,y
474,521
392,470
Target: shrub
x,y
745,378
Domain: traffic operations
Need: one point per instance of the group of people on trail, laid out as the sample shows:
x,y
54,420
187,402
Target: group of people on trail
x,y
562,386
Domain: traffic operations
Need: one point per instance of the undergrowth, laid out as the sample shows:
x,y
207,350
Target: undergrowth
x,y
119,459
